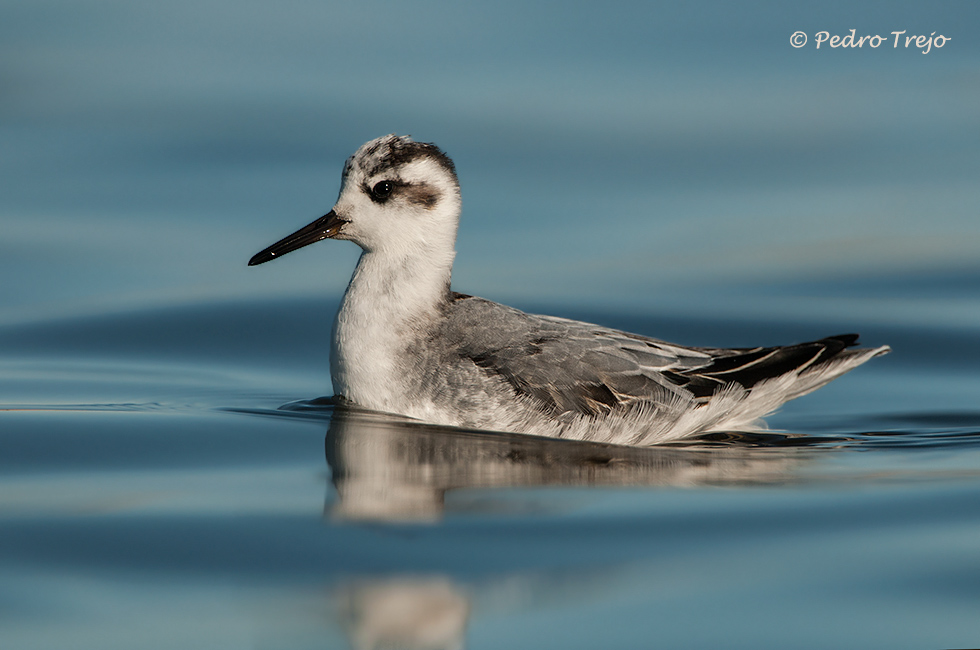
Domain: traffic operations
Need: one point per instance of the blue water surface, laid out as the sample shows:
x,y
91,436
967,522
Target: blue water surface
x,y
173,472
169,478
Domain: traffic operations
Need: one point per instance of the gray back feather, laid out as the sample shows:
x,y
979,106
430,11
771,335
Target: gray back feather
x,y
567,366
564,365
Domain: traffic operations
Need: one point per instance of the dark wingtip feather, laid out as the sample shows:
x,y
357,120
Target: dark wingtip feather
x,y
753,366
834,345
848,340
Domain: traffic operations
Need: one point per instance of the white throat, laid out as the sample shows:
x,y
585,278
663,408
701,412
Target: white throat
x,y
391,299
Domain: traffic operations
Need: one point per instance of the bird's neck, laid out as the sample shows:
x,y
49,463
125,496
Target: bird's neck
x,y
392,301
398,287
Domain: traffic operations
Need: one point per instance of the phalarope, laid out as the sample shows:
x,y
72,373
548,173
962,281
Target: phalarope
x,y
403,342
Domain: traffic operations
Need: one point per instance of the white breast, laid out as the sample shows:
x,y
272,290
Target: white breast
x,y
387,304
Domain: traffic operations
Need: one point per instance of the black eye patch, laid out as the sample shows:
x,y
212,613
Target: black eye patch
x,y
420,194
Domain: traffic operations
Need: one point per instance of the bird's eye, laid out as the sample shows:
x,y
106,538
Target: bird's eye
x,y
382,190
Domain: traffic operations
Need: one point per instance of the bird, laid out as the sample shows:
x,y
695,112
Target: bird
x,y
404,342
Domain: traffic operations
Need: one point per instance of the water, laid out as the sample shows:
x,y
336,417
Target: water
x,y
165,483
172,473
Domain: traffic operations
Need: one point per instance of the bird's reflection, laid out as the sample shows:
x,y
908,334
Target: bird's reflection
x,y
393,469
429,612
387,468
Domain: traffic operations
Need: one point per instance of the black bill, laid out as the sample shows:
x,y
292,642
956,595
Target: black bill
x,y
323,228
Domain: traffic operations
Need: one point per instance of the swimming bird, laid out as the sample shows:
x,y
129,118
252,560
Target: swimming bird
x,y
404,342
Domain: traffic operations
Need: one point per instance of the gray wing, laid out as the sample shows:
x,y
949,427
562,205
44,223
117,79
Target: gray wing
x,y
571,366
565,365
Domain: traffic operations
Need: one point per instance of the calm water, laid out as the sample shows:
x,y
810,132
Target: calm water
x,y
170,476
169,479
